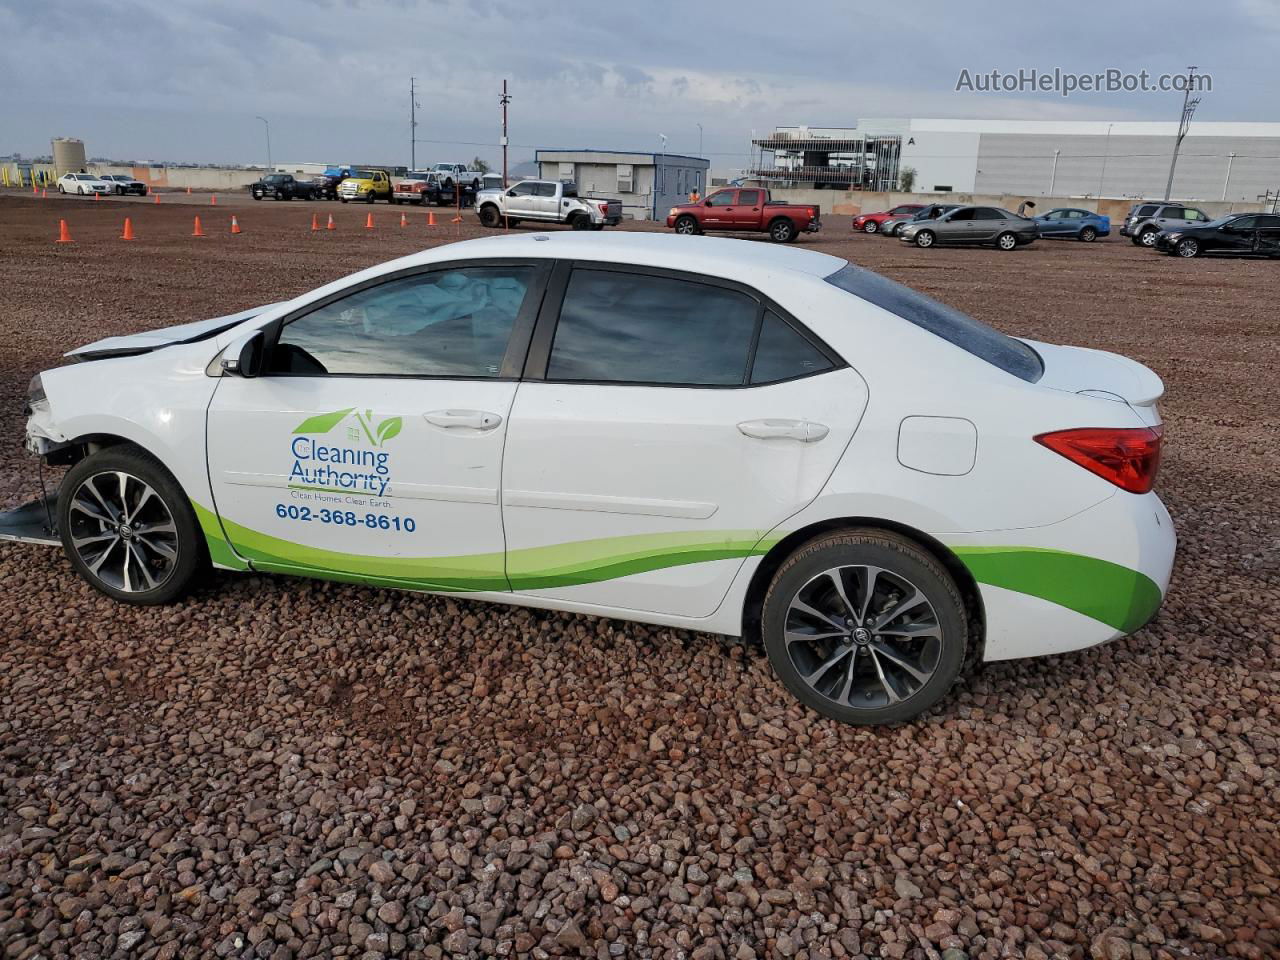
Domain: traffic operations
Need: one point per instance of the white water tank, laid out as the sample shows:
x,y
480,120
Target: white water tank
x,y
68,155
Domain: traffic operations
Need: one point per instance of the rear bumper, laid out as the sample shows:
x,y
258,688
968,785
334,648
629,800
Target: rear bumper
x,y
813,226
1099,575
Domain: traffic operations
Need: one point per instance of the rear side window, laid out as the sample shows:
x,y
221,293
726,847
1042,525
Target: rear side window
x,y
748,198
783,353
1173,213
1146,210
620,327
1010,355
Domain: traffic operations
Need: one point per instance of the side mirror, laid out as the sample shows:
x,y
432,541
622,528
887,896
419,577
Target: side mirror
x,y
706,203
244,357
511,193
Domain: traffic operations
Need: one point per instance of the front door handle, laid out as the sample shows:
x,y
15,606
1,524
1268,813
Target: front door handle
x,y
806,431
465,419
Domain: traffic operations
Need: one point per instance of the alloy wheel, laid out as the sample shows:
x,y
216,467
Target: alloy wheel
x,y
1188,248
1148,239
1007,241
863,636
123,532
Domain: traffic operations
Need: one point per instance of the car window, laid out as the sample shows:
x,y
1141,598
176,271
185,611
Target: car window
x,y
1076,214
969,213
446,323
904,208
1055,215
783,353
1147,210
722,199
1172,213
545,189
1268,223
748,198
1193,214
989,213
618,327
524,190
1244,223
1010,355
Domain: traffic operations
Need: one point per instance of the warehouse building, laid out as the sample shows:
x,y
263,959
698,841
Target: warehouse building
x,y
1065,158
648,184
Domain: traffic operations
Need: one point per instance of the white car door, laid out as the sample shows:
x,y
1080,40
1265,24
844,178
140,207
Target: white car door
x,y
522,200
371,446
679,420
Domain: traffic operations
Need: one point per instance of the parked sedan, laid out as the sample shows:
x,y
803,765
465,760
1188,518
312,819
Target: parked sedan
x,y
1072,223
972,225
84,184
125,185
892,227
873,222
1237,234
756,466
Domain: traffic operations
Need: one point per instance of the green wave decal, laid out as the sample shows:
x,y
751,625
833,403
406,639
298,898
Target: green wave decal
x,y
220,551
531,568
1117,596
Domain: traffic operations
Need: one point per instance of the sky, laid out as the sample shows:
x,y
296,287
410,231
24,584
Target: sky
x,y
183,81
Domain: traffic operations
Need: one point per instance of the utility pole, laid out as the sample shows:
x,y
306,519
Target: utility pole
x,y
504,100
267,126
413,125
1189,105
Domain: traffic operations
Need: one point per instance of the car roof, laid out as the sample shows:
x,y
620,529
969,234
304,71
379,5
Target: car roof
x,y
716,256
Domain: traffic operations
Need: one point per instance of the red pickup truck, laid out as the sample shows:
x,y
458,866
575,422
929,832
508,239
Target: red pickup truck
x,y
746,208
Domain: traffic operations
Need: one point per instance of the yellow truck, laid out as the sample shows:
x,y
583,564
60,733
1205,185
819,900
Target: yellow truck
x,y
367,184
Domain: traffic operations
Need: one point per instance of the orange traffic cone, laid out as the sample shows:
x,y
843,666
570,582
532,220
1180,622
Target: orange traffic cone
x,y
315,222
44,193
235,227
96,195
199,230
34,189
157,198
213,200
431,218
331,226
64,235
128,230
368,222
404,220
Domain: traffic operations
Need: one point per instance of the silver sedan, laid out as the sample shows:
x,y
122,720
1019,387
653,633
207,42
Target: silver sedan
x,y
991,226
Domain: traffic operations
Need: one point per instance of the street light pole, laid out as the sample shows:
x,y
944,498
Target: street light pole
x,y
413,125
504,100
1188,108
1053,177
268,129
1105,154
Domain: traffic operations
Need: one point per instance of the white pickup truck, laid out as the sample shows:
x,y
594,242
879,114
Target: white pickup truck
x,y
548,201
457,173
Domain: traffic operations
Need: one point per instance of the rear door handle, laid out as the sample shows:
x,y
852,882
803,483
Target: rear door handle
x,y
464,419
806,431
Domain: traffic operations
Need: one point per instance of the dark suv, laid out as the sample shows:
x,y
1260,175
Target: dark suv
x,y
1148,218
282,186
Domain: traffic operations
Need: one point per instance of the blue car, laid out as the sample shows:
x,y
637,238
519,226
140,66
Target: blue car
x,y
1071,223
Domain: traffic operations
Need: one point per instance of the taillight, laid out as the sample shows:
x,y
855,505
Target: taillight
x,y
1129,457
604,208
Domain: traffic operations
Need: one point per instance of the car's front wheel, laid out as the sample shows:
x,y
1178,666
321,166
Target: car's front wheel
x,y
686,225
865,627
127,527
490,217
870,226
924,238
1188,247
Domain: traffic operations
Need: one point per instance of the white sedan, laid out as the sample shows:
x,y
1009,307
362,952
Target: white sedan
x,y
84,183
711,434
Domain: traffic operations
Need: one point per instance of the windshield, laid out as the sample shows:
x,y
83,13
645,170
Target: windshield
x,y
1010,355
363,175
1221,221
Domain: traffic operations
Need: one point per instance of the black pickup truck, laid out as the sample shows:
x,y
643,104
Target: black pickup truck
x,y
282,186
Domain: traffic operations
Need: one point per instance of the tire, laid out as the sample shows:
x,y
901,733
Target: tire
x,y
891,680
871,227
1148,237
369,197
597,226
80,191
343,199
1007,241
257,194
686,225
172,554
61,188
119,191
1088,235
782,231
925,239
1188,247
580,222
490,217
278,195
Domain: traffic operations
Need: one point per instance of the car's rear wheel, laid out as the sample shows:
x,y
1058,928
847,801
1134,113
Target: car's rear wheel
x,y
127,527
1088,234
1006,241
870,227
925,238
1148,237
865,627
580,222
686,225
782,231
1188,247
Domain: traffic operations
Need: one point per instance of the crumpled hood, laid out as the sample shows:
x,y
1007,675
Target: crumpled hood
x,y
150,340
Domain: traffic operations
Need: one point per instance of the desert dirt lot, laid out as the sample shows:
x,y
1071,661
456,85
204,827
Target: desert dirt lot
x,y
279,768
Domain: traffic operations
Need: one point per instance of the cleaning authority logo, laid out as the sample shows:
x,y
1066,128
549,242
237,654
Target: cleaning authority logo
x,y
358,465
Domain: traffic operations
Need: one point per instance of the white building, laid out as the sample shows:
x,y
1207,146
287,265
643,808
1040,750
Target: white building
x,y
1093,158
648,184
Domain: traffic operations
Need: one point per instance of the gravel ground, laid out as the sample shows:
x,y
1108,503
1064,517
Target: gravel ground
x,y
279,768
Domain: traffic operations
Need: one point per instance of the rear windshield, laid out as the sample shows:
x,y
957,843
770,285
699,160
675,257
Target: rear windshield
x,y
1010,355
